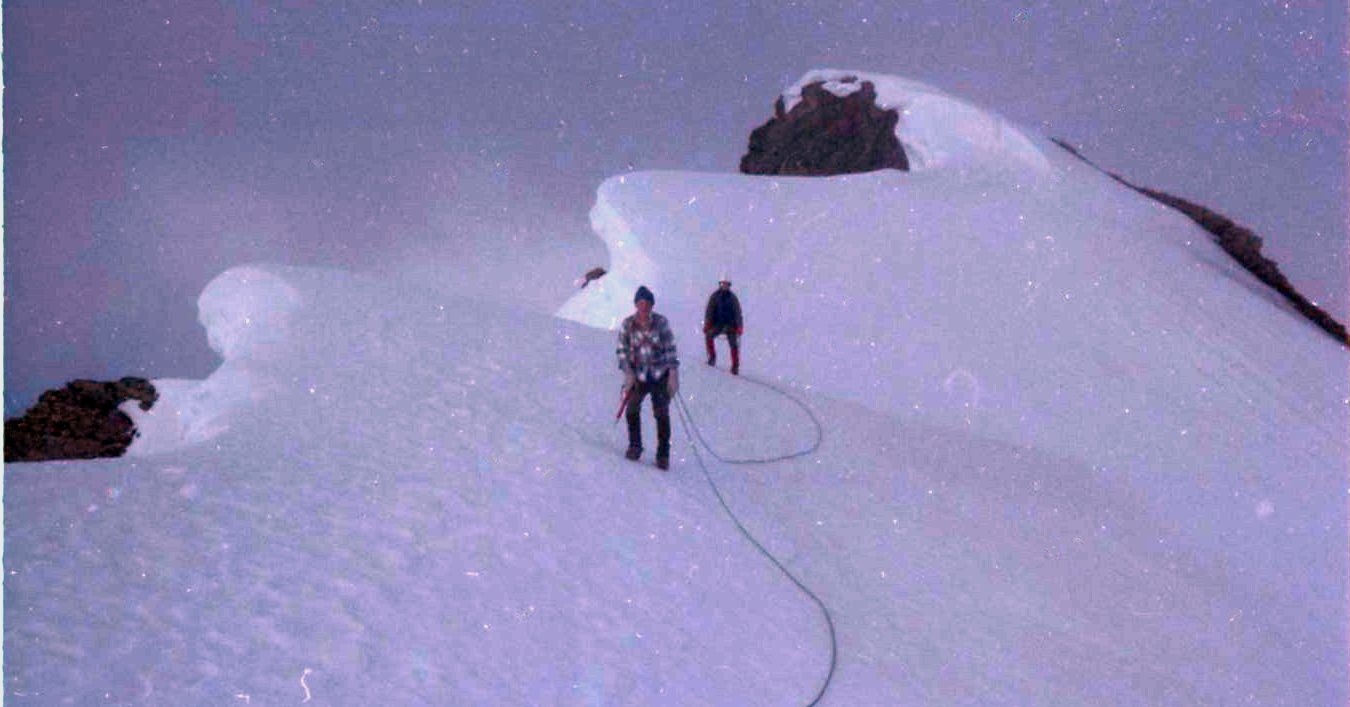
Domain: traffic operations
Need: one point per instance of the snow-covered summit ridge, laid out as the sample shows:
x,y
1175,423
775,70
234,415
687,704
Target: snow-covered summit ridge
x,y
936,129
1088,463
1068,314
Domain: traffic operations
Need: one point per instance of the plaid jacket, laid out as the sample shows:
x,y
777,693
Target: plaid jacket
x,y
649,352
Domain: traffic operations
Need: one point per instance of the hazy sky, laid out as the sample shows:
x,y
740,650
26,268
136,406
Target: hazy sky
x,y
150,146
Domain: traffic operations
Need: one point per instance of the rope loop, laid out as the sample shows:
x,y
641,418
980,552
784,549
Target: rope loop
x,y
687,419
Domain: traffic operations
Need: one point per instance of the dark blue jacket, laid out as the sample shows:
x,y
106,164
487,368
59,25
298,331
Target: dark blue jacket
x,y
723,310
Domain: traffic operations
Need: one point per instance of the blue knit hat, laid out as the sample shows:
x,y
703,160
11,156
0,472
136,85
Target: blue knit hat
x,y
644,293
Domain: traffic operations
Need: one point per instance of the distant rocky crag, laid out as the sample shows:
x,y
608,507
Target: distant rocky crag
x,y
825,134
1237,241
79,421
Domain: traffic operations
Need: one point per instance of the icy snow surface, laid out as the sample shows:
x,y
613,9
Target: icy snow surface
x,y
1070,455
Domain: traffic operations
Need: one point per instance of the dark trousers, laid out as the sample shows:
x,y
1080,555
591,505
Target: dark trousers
x,y
732,338
660,406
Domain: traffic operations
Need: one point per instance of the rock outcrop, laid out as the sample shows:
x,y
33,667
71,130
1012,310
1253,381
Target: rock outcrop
x,y
79,421
825,134
1239,242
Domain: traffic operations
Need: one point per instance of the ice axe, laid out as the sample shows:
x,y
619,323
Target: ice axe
x,y
623,402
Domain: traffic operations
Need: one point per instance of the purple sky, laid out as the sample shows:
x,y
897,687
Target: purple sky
x,y
150,146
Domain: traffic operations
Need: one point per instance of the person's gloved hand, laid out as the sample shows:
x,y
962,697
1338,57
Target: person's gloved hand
x,y
673,382
707,328
740,330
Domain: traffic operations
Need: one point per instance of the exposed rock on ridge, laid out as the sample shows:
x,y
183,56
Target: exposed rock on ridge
x,y
1239,242
825,134
79,421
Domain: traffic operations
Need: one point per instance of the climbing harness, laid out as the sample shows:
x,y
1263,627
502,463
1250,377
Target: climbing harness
x,y
687,419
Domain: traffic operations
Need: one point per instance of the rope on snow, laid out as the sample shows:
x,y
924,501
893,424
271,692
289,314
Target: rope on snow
x,y
687,419
820,434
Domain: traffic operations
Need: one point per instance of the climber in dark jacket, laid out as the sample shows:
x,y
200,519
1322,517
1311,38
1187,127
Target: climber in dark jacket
x,y
723,316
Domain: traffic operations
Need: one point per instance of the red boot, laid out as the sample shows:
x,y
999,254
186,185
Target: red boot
x,y
735,362
712,352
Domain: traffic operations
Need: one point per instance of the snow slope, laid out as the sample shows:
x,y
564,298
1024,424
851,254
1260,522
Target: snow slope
x,y
1068,455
